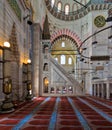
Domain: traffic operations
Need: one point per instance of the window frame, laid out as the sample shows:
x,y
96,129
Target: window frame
x,y
63,60
67,12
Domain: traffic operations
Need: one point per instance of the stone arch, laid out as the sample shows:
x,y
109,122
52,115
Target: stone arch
x,y
45,67
46,84
45,48
68,33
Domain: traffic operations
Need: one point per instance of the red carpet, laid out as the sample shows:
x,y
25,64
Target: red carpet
x,y
71,128
6,127
35,128
42,117
104,128
39,122
9,121
101,123
70,123
94,119
66,118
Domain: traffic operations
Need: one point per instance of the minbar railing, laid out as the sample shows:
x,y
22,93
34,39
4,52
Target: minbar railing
x,y
68,76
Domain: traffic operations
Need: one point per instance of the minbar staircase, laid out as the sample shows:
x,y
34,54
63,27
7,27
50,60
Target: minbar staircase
x,y
78,89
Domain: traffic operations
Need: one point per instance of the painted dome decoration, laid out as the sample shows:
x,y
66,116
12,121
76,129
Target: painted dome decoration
x,y
74,9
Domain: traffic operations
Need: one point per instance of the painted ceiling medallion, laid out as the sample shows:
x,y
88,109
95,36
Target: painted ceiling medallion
x,y
99,21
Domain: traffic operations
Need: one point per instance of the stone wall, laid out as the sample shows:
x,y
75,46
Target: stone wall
x,y
8,18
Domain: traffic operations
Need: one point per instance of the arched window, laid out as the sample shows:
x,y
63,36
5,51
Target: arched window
x,y
67,8
63,59
69,60
75,7
52,3
63,44
45,67
59,6
46,84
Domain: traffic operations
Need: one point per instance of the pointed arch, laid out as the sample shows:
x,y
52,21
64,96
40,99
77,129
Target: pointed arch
x,y
69,60
63,59
68,33
63,44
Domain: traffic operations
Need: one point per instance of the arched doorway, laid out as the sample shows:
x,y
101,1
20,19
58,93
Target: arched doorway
x,y
46,85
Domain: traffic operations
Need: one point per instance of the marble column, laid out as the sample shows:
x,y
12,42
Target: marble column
x,y
108,91
94,89
36,59
74,90
93,86
67,92
102,91
98,90
54,89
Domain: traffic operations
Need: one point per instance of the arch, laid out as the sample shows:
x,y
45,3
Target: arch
x,y
63,44
45,68
45,48
63,59
52,3
59,5
67,32
46,84
75,7
67,9
69,60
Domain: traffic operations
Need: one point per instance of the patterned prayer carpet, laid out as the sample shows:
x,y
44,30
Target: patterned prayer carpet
x,y
60,113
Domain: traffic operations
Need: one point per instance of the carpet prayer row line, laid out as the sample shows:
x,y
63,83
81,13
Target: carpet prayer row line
x,y
60,113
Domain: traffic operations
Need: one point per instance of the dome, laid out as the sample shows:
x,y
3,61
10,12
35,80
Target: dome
x,y
74,9
68,6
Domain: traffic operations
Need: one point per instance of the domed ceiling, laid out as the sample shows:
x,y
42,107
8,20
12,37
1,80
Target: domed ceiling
x,y
68,10
73,5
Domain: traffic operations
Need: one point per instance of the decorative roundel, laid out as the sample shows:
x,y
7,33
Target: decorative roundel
x,y
99,21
